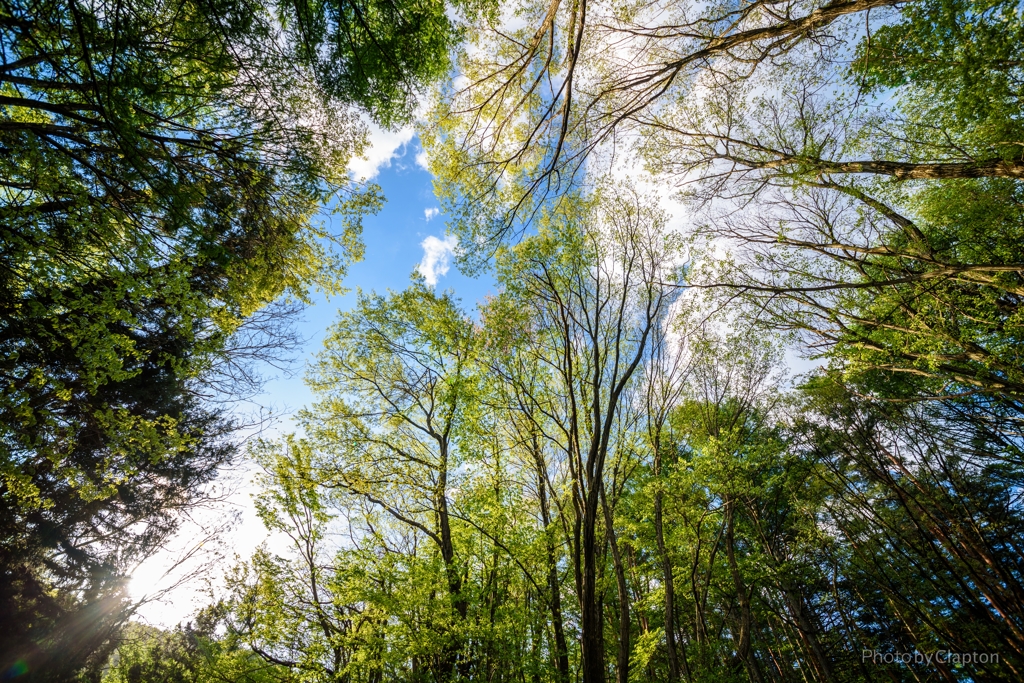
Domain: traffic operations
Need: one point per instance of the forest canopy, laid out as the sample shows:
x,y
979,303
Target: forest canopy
x,y
164,166
608,469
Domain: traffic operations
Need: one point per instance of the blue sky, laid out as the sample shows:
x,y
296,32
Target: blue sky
x,y
394,241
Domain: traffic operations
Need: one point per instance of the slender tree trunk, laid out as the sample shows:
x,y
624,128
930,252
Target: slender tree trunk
x,y
808,633
554,590
453,662
667,578
535,638
622,660
746,621
591,625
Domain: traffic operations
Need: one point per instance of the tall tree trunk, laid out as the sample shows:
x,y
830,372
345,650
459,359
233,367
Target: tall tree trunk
x,y
808,633
554,590
591,625
622,660
535,638
454,662
668,580
746,621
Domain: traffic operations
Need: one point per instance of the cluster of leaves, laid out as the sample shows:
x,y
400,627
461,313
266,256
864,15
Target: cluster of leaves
x,y
193,653
163,166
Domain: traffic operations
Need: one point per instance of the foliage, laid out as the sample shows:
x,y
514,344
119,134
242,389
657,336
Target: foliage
x,y
467,493
164,164
605,472
859,161
193,653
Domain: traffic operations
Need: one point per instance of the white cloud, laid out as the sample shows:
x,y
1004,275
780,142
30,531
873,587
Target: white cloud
x,y
384,145
437,255
421,160
432,212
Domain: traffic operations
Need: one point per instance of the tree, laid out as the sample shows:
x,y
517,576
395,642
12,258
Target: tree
x,y
163,163
405,361
187,654
922,485
75,527
863,158
541,97
600,478
383,453
589,291
400,461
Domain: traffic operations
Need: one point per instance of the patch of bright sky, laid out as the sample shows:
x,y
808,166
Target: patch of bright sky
x,y
407,236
